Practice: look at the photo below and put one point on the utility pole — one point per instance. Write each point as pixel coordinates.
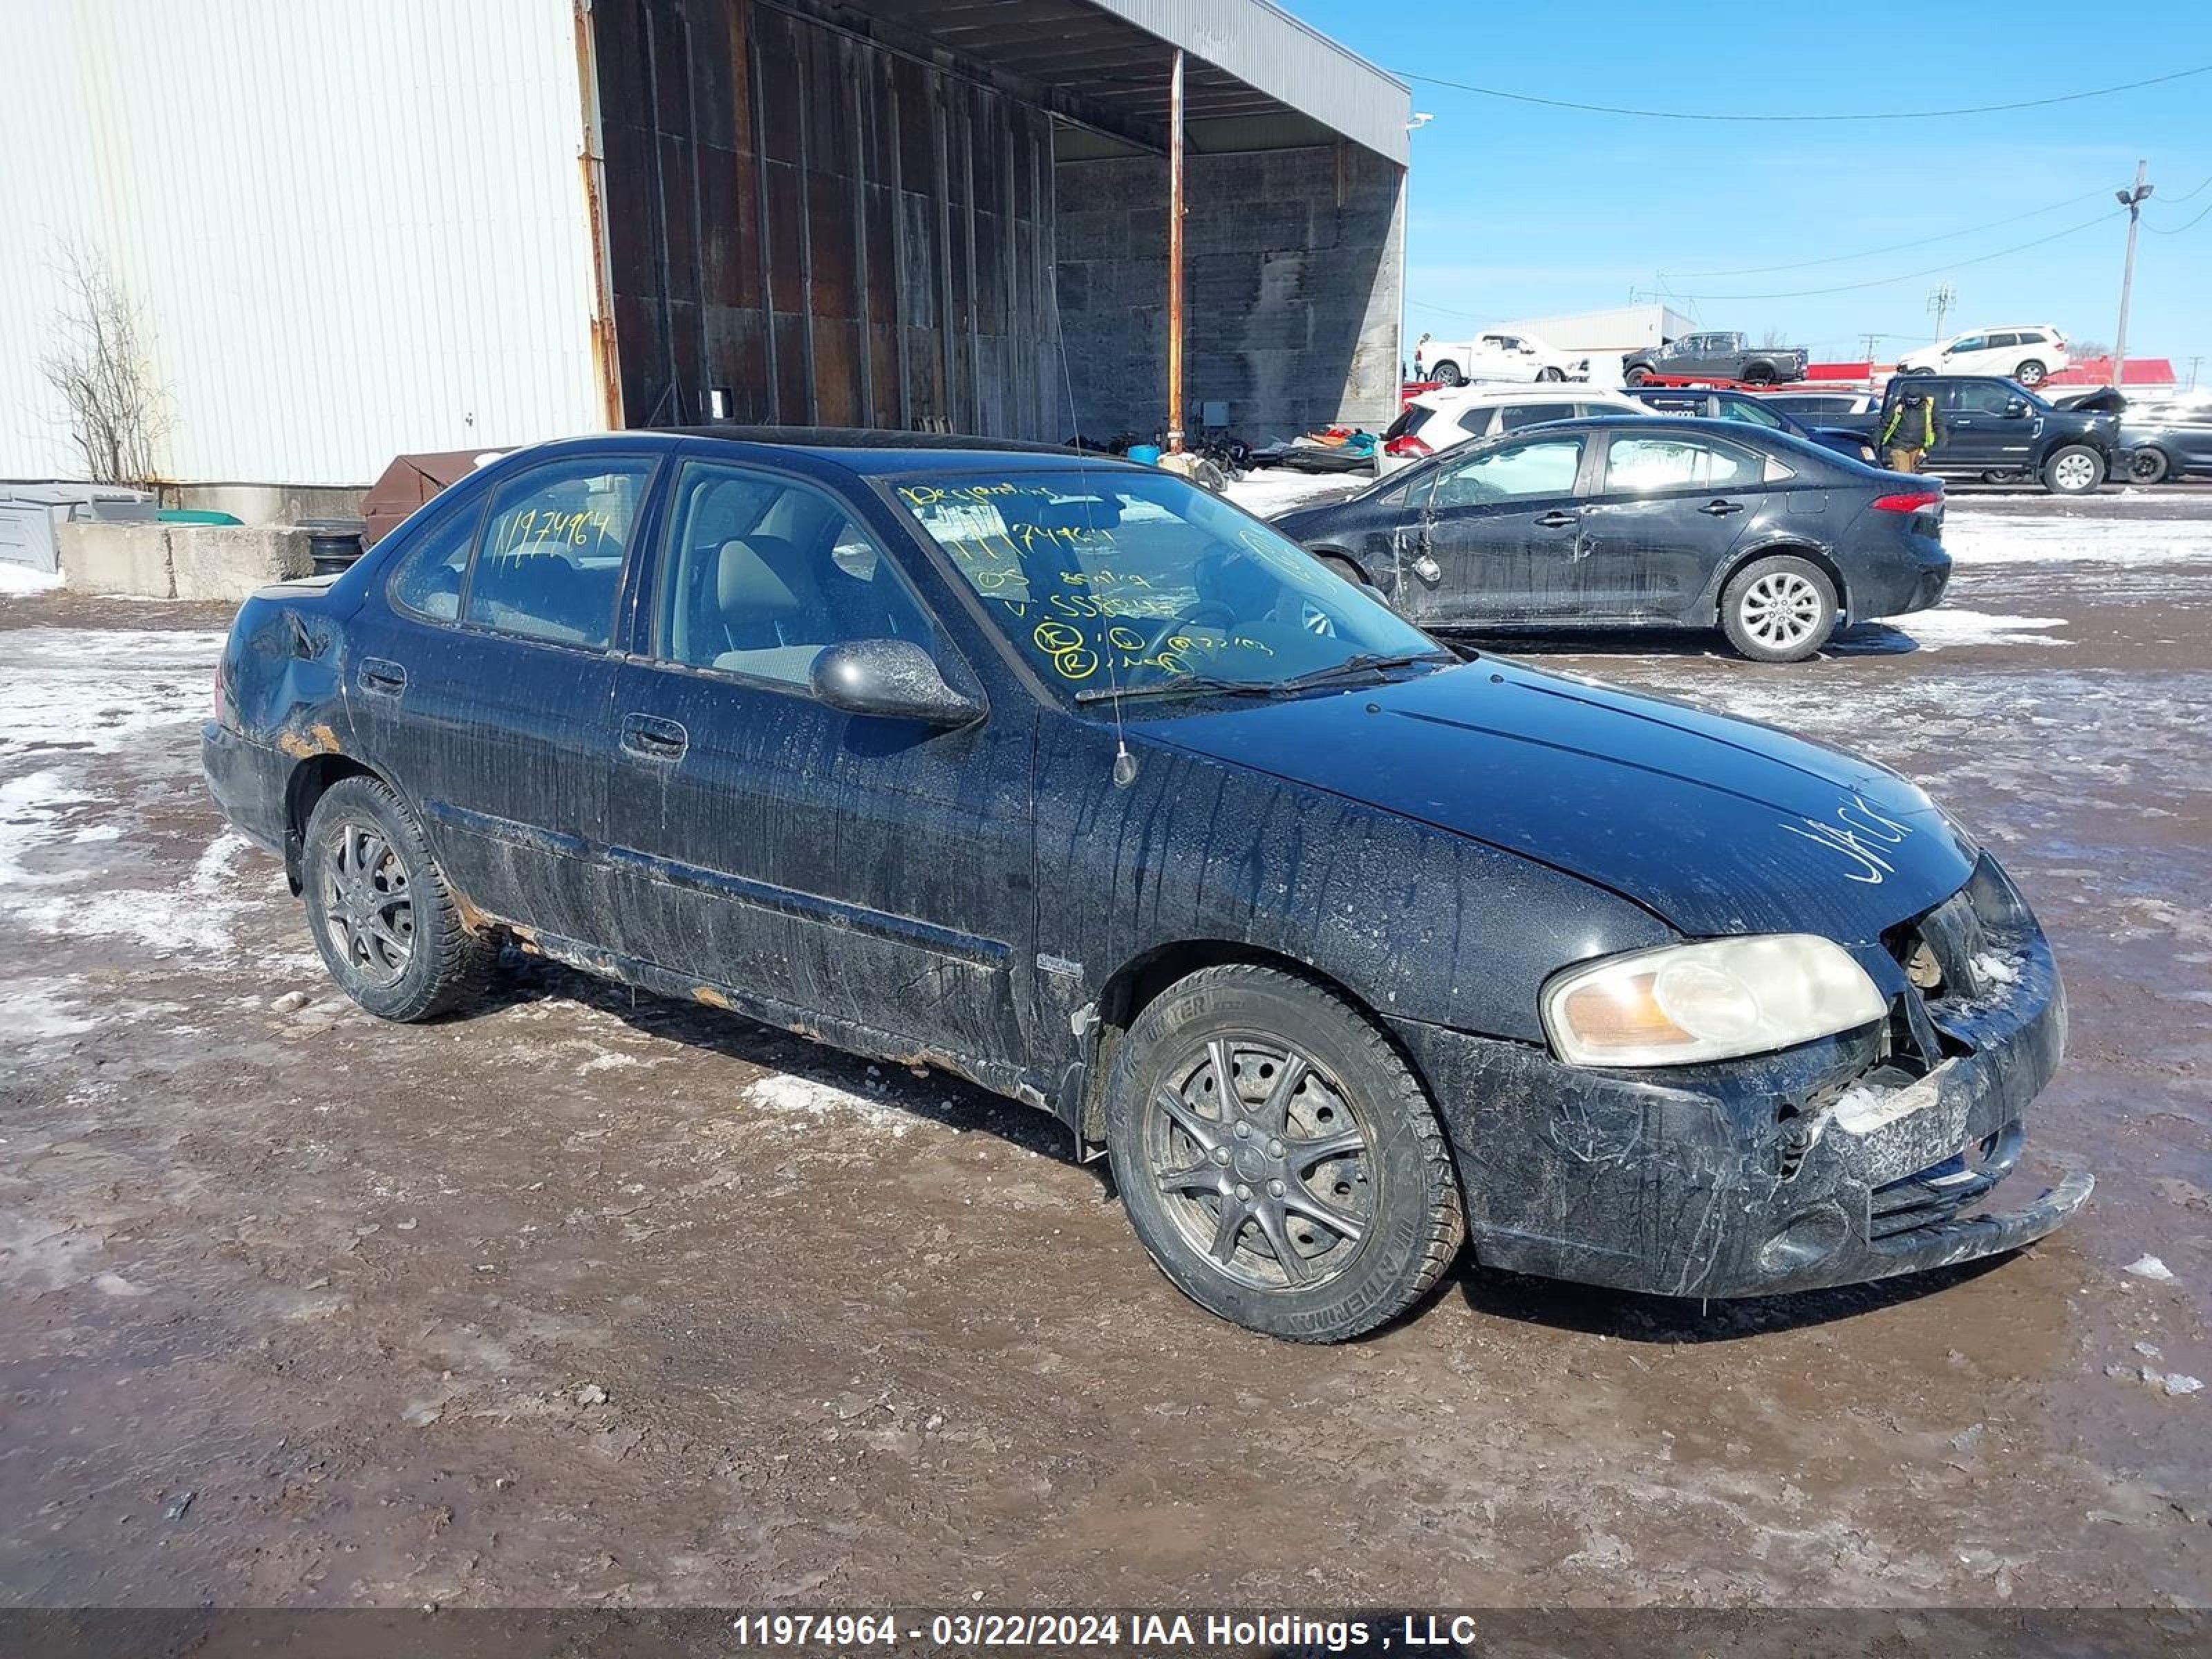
(1175, 256)
(2193, 362)
(1940, 303)
(1867, 341)
(2132, 200)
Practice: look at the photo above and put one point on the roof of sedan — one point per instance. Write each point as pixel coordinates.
(882, 449)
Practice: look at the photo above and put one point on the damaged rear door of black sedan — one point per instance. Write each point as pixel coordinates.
(1066, 777)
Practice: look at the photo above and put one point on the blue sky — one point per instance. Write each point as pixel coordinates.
(1517, 210)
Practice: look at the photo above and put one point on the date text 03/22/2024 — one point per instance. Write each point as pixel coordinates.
(1181, 1632)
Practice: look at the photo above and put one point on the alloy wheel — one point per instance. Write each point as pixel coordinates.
(1266, 1165)
(1781, 609)
(2074, 472)
(367, 902)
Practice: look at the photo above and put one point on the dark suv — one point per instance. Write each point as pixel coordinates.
(1062, 775)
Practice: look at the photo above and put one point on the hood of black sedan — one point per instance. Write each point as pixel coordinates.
(1717, 825)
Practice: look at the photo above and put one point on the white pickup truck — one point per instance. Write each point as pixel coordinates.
(1494, 356)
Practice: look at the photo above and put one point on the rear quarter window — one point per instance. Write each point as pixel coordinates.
(430, 577)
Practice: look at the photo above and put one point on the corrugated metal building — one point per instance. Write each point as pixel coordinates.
(359, 229)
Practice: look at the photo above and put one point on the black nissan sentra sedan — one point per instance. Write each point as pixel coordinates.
(1625, 522)
(1067, 777)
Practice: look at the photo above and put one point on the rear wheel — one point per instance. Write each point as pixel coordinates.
(1759, 374)
(2030, 373)
(379, 909)
(1339, 565)
(2073, 469)
(1780, 609)
(1277, 1158)
(2149, 466)
(1446, 374)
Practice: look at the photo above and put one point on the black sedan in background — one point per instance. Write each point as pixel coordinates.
(1632, 522)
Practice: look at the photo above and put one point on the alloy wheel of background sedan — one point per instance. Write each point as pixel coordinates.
(368, 902)
(1781, 609)
(1264, 1164)
(2149, 466)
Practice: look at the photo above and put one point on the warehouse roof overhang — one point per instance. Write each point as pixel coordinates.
(1253, 77)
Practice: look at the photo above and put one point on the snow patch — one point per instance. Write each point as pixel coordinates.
(1935, 630)
(22, 578)
(804, 1096)
(2028, 539)
(1272, 489)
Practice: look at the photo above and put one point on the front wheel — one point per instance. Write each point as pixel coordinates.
(1640, 375)
(1778, 610)
(1551, 373)
(1278, 1158)
(2073, 469)
(2030, 373)
(379, 909)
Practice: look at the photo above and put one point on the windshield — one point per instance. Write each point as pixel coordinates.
(1110, 578)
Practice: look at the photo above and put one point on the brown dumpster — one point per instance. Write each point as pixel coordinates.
(408, 482)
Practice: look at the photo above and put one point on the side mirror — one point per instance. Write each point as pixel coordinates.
(2014, 408)
(895, 678)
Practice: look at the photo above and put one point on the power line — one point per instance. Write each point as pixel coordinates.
(1894, 247)
(1853, 115)
(1908, 276)
(2169, 201)
(2177, 230)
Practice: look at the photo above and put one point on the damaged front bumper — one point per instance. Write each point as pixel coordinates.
(1849, 1159)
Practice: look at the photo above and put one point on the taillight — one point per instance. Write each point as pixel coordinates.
(1908, 500)
(1407, 445)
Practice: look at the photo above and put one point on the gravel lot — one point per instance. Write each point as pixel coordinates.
(589, 1298)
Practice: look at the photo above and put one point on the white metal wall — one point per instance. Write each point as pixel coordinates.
(357, 227)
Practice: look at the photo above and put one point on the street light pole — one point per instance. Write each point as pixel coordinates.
(1175, 256)
(2132, 200)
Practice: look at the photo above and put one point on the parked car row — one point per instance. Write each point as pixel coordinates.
(1057, 773)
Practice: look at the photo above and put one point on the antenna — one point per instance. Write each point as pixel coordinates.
(1125, 763)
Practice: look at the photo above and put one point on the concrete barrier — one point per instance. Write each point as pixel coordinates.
(180, 561)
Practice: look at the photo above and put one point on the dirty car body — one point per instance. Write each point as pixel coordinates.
(1092, 775)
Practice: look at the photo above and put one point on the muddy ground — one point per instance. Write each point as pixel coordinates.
(589, 1298)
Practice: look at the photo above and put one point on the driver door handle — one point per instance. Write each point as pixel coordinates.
(654, 738)
(1721, 509)
(1556, 520)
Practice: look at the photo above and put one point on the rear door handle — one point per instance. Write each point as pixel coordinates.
(385, 678)
(1721, 509)
(654, 738)
(1557, 520)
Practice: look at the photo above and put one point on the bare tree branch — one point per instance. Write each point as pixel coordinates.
(99, 364)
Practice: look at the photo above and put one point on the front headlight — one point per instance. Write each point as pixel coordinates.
(1710, 1001)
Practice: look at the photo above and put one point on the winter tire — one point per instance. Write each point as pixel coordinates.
(381, 911)
(1780, 609)
(2073, 469)
(1278, 1158)
(2149, 466)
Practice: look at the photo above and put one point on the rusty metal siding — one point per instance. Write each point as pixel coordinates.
(353, 230)
(859, 223)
